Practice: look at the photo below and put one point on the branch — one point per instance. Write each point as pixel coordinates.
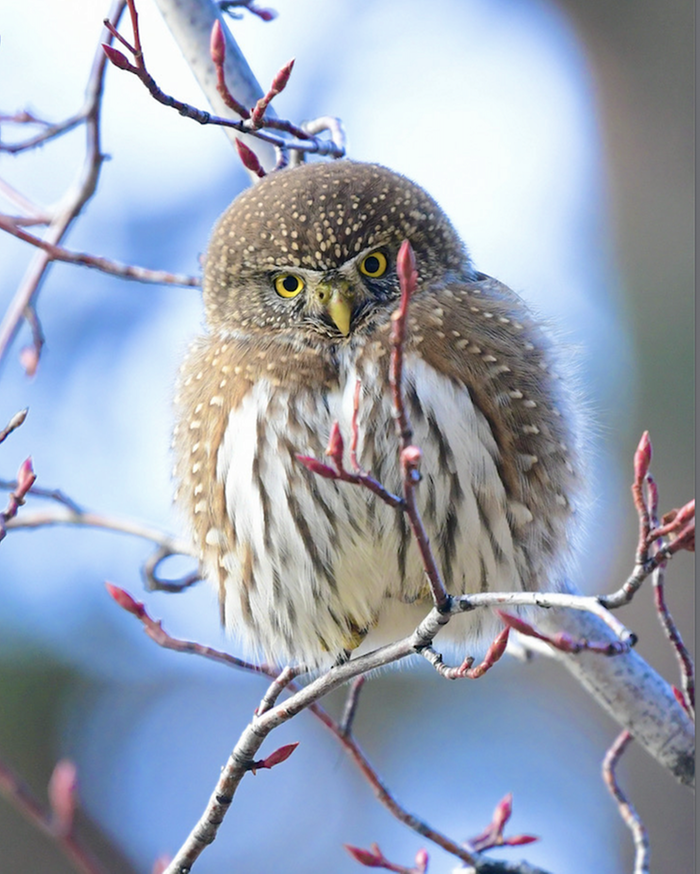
(192, 24)
(114, 268)
(24, 301)
(627, 811)
(12, 425)
(25, 480)
(57, 822)
(631, 692)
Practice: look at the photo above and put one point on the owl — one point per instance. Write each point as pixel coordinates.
(299, 286)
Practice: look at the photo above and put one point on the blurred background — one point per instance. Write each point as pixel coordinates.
(559, 138)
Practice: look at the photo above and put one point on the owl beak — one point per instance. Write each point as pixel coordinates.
(337, 297)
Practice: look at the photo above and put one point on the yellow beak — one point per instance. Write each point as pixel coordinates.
(337, 298)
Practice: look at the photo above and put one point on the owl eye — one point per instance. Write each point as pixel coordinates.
(373, 265)
(288, 284)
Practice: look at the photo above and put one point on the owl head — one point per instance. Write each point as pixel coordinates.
(313, 249)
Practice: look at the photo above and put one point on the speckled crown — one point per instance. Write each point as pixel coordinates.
(319, 215)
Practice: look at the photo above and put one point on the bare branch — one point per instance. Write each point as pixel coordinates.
(670, 628)
(155, 631)
(11, 426)
(350, 709)
(83, 518)
(25, 480)
(253, 123)
(493, 836)
(57, 828)
(73, 202)
(627, 811)
(115, 268)
(465, 671)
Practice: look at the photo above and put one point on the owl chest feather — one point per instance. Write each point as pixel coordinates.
(316, 566)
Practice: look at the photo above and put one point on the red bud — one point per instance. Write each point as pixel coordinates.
(317, 467)
(279, 83)
(265, 14)
(249, 159)
(406, 267)
(279, 756)
(686, 512)
(29, 359)
(498, 647)
(217, 44)
(25, 479)
(680, 698)
(117, 58)
(517, 623)
(642, 458)
(421, 862)
(335, 446)
(368, 858)
(519, 840)
(62, 796)
(411, 456)
(503, 812)
(124, 599)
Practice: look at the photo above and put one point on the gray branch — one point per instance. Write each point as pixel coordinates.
(630, 690)
(190, 22)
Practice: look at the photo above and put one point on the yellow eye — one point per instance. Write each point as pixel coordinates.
(373, 265)
(288, 284)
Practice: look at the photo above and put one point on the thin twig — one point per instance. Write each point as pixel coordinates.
(11, 426)
(67, 516)
(668, 624)
(16, 498)
(685, 662)
(20, 796)
(154, 629)
(350, 708)
(410, 456)
(156, 583)
(627, 812)
(73, 202)
(253, 125)
(50, 131)
(683, 527)
(465, 671)
(278, 685)
(268, 718)
(564, 642)
(106, 265)
(33, 213)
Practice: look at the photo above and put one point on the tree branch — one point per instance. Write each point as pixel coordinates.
(73, 202)
(114, 268)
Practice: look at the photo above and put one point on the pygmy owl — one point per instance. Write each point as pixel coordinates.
(299, 286)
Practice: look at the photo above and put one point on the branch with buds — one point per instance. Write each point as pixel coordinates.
(23, 306)
(56, 821)
(269, 715)
(254, 121)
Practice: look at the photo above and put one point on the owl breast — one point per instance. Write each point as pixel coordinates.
(309, 568)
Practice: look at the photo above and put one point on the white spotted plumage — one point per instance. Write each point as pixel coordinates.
(364, 541)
